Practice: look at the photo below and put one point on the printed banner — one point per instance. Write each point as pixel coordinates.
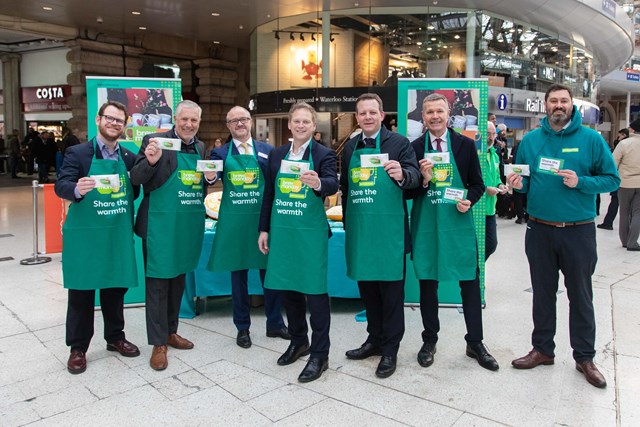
(468, 116)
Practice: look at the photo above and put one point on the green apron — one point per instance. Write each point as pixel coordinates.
(97, 236)
(235, 246)
(444, 240)
(176, 221)
(298, 240)
(374, 233)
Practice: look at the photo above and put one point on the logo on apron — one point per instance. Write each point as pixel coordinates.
(442, 175)
(248, 179)
(293, 187)
(191, 178)
(364, 177)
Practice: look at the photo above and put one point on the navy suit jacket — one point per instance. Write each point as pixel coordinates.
(259, 147)
(464, 153)
(76, 165)
(324, 163)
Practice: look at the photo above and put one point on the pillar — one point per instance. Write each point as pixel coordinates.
(11, 91)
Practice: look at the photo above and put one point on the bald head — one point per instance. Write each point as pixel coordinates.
(491, 134)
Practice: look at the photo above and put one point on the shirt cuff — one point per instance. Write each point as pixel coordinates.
(77, 193)
(319, 187)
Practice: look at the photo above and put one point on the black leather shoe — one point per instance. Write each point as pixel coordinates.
(314, 369)
(366, 350)
(279, 333)
(479, 352)
(243, 339)
(124, 347)
(605, 226)
(293, 353)
(386, 367)
(425, 355)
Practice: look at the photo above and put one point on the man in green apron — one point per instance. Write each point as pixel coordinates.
(442, 230)
(170, 222)
(294, 232)
(234, 246)
(376, 227)
(495, 187)
(98, 236)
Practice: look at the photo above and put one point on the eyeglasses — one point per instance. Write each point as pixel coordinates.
(243, 120)
(111, 120)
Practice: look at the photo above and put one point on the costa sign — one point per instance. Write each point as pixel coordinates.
(45, 98)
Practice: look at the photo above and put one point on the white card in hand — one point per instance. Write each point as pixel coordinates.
(210, 165)
(373, 160)
(517, 169)
(174, 144)
(292, 167)
(107, 182)
(437, 158)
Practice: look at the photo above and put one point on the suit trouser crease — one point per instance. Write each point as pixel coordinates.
(295, 305)
(241, 304)
(571, 250)
(81, 313)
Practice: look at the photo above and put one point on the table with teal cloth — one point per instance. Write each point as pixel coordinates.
(202, 282)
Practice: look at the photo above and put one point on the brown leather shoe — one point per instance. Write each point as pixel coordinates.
(124, 347)
(77, 362)
(591, 373)
(531, 360)
(159, 358)
(176, 341)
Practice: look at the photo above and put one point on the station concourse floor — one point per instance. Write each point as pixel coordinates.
(219, 383)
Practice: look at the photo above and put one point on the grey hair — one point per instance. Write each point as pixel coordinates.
(188, 104)
(435, 97)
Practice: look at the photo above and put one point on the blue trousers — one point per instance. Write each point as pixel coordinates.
(241, 307)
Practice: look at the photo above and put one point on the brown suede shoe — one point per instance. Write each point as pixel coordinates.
(77, 362)
(531, 360)
(176, 341)
(159, 358)
(591, 373)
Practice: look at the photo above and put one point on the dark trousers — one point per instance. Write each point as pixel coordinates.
(162, 305)
(471, 305)
(43, 172)
(519, 204)
(384, 302)
(571, 250)
(242, 308)
(15, 162)
(612, 210)
(80, 316)
(491, 236)
(295, 305)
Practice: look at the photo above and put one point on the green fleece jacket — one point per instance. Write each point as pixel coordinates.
(583, 151)
(491, 178)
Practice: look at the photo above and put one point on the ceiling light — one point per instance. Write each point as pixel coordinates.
(268, 15)
(431, 27)
(445, 46)
(457, 36)
(135, 12)
(241, 27)
(142, 28)
(433, 39)
(216, 42)
(419, 43)
(215, 13)
(47, 8)
(429, 48)
(512, 30)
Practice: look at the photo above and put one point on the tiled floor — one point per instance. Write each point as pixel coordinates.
(218, 383)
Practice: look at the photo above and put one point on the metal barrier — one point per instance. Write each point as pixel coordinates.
(36, 258)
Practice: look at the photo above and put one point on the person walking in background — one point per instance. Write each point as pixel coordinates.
(627, 158)
(612, 210)
(13, 141)
(494, 188)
